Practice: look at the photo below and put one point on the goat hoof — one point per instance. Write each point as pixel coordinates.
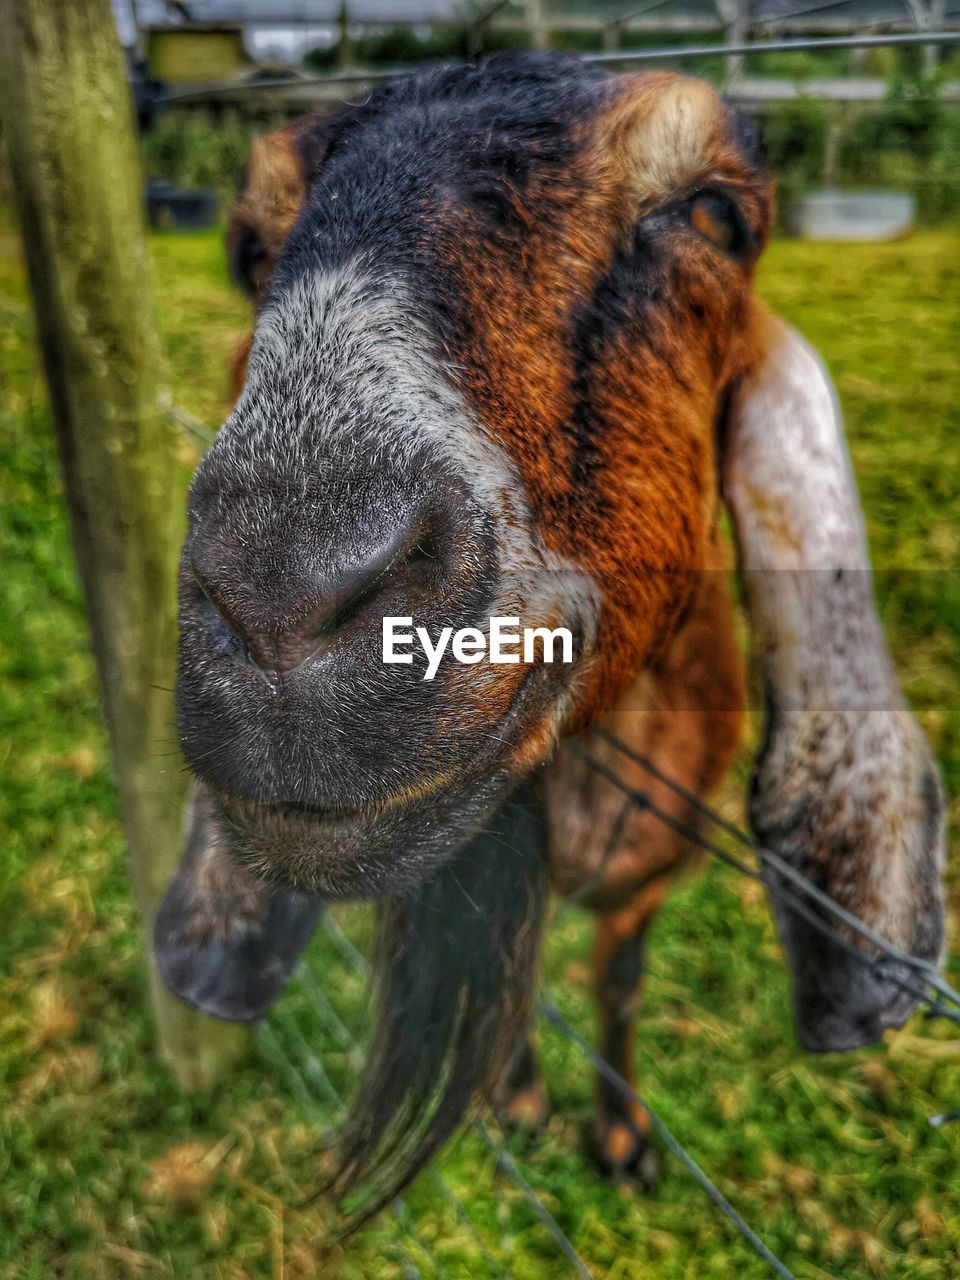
(627, 1156)
(526, 1111)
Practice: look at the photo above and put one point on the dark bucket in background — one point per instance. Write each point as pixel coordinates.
(180, 208)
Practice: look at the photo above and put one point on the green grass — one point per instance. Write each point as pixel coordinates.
(106, 1170)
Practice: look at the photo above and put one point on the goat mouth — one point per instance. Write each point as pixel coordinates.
(383, 841)
(326, 815)
(299, 819)
(496, 743)
(279, 814)
(313, 812)
(357, 852)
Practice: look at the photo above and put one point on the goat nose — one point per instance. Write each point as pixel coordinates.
(283, 615)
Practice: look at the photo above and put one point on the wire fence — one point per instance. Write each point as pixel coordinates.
(799, 892)
(795, 44)
(926, 985)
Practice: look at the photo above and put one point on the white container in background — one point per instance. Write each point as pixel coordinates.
(852, 215)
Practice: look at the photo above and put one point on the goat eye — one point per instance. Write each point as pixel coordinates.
(714, 216)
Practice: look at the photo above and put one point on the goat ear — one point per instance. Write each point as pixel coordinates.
(844, 787)
(789, 485)
(224, 941)
(279, 169)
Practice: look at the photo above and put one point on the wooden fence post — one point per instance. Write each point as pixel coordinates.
(345, 49)
(734, 16)
(538, 28)
(68, 121)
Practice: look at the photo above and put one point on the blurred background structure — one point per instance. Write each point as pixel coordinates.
(209, 73)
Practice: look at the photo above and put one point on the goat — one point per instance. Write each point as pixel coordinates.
(507, 361)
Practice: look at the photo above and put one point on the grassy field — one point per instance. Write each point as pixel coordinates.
(107, 1171)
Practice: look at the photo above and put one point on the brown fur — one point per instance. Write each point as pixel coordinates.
(653, 500)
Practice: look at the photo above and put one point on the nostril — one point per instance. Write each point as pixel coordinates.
(283, 652)
(425, 552)
(257, 637)
(208, 604)
(286, 606)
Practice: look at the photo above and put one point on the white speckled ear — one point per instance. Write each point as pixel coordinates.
(803, 554)
(845, 787)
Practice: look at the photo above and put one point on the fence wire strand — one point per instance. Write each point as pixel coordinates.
(675, 53)
(799, 896)
(798, 889)
(626, 1090)
(505, 1163)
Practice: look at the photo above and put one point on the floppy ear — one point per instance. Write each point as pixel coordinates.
(844, 787)
(279, 168)
(225, 941)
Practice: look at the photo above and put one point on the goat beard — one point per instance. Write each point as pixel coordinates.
(455, 964)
